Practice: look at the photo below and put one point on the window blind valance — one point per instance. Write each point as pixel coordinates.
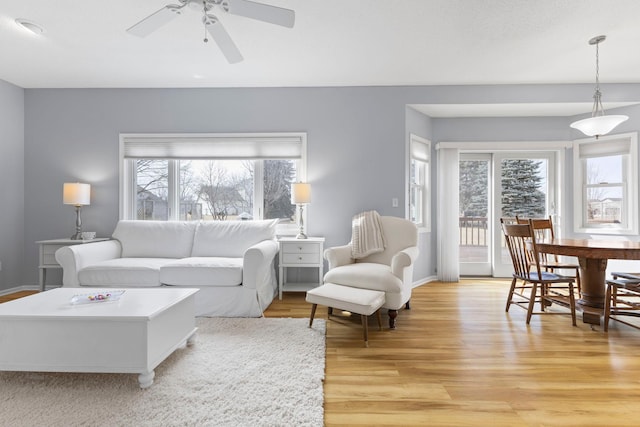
(419, 150)
(213, 146)
(604, 148)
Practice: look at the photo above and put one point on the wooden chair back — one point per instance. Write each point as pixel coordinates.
(543, 229)
(521, 241)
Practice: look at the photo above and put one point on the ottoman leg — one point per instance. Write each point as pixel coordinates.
(313, 313)
(365, 328)
(379, 320)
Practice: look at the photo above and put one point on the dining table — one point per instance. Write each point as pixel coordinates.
(593, 255)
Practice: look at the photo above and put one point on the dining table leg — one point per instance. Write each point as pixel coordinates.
(592, 279)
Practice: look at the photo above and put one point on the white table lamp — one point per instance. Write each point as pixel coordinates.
(78, 195)
(300, 196)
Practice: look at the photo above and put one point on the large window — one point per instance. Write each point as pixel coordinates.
(419, 150)
(605, 183)
(211, 176)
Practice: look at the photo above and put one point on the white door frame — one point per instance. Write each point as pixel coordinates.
(558, 147)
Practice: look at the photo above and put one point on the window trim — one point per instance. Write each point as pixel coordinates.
(418, 148)
(278, 142)
(599, 148)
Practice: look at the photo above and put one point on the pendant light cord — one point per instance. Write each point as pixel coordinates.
(598, 109)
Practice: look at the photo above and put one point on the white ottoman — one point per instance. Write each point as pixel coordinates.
(364, 302)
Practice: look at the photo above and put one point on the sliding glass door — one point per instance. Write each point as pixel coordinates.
(495, 185)
(475, 208)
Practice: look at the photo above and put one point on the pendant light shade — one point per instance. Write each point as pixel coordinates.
(599, 123)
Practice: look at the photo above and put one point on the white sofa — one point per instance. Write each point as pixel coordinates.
(231, 262)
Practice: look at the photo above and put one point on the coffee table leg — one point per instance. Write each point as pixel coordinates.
(192, 339)
(146, 379)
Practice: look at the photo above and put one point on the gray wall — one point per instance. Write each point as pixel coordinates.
(421, 125)
(12, 185)
(356, 143)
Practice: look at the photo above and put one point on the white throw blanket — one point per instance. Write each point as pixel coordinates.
(366, 234)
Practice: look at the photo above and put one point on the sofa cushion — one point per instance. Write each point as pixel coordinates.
(202, 272)
(136, 272)
(155, 239)
(230, 238)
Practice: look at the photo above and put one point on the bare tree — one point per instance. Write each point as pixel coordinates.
(152, 176)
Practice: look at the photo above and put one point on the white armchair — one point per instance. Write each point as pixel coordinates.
(390, 271)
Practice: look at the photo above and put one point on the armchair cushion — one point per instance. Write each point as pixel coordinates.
(365, 275)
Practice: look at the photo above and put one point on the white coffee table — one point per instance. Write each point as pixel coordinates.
(44, 332)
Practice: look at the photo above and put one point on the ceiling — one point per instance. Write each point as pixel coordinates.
(333, 43)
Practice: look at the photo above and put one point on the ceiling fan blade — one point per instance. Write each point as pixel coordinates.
(223, 40)
(155, 20)
(263, 12)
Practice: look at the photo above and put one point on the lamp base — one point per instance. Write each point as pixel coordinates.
(301, 234)
(78, 235)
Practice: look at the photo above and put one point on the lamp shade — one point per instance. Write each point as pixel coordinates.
(300, 193)
(598, 125)
(75, 193)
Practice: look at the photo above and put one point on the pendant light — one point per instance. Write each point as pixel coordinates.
(598, 124)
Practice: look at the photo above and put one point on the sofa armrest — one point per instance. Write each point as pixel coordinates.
(258, 263)
(76, 257)
(402, 260)
(338, 255)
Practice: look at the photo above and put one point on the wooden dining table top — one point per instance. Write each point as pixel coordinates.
(591, 248)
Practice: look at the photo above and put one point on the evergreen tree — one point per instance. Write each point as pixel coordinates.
(473, 188)
(278, 175)
(521, 194)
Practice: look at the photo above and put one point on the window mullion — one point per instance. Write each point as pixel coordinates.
(174, 189)
(258, 189)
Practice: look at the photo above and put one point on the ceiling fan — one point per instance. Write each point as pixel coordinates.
(213, 26)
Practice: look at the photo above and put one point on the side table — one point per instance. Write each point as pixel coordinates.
(47, 250)
(299, 253)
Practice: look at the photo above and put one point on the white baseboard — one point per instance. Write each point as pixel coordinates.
(424, 281)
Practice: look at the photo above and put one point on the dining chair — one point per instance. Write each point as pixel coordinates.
(622, 298)
(543, 227)
(530, 282)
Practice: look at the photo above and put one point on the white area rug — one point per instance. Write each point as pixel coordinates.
(239, 372)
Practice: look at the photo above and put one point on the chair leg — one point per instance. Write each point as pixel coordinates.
(313, 313)
(578, 283)
(407, 306)
(379, 317)
(510, 297)
(330, 310)
(607, 308)
(543, 301)
(532, 301)
(365, 329)
(572, 304)
(392, 318)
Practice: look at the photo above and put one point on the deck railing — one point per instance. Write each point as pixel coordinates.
(473, 231)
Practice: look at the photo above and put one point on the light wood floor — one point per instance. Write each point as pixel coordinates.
(457, 359)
